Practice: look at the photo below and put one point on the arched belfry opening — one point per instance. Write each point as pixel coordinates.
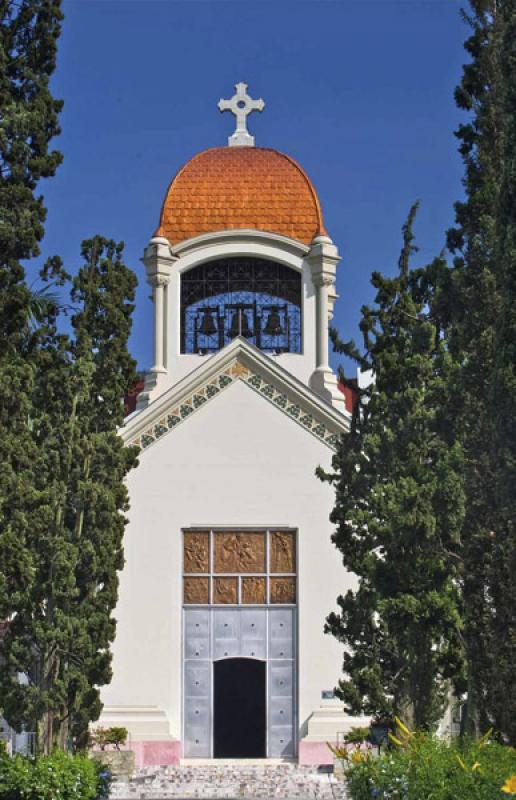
(256, 298)
(239, 708)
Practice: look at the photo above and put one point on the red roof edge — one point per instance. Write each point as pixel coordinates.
(350, 394)
(131, 398)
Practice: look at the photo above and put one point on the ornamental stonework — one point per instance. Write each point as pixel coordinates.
(283, 590)
(227, 377)
(196, 591)
(197, 552)
(225, 590)
(283, 552)
(239, 552)
(254, 591)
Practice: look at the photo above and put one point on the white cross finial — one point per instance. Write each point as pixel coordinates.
(241, 105)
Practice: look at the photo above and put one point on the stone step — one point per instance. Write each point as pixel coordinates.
(245, 782)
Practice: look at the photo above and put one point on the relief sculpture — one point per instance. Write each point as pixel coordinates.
(196, 552)
(225, 590)
(283, 590)
(196, 590)
(283, 552)
(239, 552)
(253, 590)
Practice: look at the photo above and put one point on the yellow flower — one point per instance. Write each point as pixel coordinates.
(402, 727)
(357, 757)
(509, 786)
(461, 762)
(338, 752)
(485, 738)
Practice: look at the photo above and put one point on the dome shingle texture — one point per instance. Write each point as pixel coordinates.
(228, 188)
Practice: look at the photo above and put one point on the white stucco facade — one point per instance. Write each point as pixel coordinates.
(230, 441)
(238, 462)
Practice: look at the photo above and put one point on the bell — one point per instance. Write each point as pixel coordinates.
(273, 326)
(208, 327)
(240, 325)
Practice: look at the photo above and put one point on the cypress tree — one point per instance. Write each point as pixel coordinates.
(105, 291)
(398, 512)
(471, 302)
(500, 689)
(60, 634)
(29, 32)
(28, 37)
(62, 464)
(29, 120)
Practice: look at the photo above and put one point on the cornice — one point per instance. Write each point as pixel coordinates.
(239, 361)
(246, 236)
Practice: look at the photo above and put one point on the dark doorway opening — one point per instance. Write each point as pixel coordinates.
(239, 708)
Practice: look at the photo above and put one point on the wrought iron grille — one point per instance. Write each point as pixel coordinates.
(251, 297)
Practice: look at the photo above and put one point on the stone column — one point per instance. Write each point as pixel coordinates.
(158, 283)
(323, 258)
(159, 263)
(322, 283)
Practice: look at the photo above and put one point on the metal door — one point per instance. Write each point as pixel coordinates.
(253, 633)
(197, 683)
(266, 634)
(281, 683)
(226, 632)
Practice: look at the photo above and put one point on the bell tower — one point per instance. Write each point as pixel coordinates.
(230, 568)
(241, 251)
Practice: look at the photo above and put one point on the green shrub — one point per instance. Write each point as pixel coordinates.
(57, 777)
(423, 767)
(117, 736)
(356, 735)
(102, 737)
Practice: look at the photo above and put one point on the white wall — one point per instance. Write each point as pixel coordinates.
(237, 461)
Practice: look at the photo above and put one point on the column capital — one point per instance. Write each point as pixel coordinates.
(323, 249)
(323, 257)
(324, 278)
(159, 261)
(156, 279)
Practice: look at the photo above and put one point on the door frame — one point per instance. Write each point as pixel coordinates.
(263, 661)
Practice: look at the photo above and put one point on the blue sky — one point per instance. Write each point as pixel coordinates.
(360, 93)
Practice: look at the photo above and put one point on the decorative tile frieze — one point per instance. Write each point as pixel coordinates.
(234, 372)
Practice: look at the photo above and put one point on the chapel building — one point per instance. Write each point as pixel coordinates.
(230, 571)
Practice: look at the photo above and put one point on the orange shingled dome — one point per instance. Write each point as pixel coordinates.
(227, 188)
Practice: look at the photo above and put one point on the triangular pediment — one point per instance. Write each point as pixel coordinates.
(239, 361)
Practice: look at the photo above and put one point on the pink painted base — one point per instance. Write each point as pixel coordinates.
(156, 754)
(312, 753)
